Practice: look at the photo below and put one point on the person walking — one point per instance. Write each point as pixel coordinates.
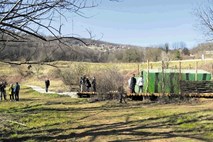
(132, 84)
(47, 84)
(140, 84)
(94, 84)
(16, 91)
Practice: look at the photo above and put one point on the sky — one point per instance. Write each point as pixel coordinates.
(139, 22)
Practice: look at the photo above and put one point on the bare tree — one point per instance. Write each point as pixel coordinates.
(20, 18)
(26, 20)
(205, 16)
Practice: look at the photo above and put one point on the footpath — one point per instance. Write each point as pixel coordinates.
(42, 90)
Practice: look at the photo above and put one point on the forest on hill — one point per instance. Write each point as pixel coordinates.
(88, 50)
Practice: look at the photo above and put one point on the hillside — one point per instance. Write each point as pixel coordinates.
(89, 50)
(204, 48)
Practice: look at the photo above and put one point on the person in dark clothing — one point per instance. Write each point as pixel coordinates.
(121, 92)
(16, 91)
(94, 84)
(88, 84)
(3, 91)
(132, 84)
(84, 83)
(47, 84)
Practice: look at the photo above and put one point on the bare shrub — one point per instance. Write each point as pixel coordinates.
(55, 73)
(13, 79)
(37, 69)
(23, 72)
(3, 78)
(207, 67)
(71, 76)
(108, 81)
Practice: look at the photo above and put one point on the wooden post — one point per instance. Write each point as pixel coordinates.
(147, 79)
(196, 66)
(180, 77)
(163, 83)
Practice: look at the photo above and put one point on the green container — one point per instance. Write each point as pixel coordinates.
(155, 80)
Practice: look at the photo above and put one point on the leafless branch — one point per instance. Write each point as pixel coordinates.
(28, 15)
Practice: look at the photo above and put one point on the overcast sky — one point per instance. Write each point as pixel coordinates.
(140, 22)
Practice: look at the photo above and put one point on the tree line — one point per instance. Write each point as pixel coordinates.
(75, 50)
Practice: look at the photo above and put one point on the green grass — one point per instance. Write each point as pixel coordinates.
(42, 117)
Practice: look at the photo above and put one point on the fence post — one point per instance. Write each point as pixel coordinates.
(196, 66)
(180, 77)
(163, 83)
(147, 77)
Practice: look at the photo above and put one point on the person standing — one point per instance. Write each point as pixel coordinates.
(132, 84)
(88, 84)
(81, 84)
(47, 84)
(3, 91)
(16, 91)
(94, 84)
(140, 84)
(121, 93)
(11, 92)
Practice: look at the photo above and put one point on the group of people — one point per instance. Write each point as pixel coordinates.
(85, 84)
(132, 82)
(13, 91)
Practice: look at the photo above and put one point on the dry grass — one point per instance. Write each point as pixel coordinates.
(40, 72)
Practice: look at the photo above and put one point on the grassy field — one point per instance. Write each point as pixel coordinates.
(40, 72)
(42, 117)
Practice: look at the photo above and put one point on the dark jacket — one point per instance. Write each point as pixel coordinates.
(47, 83)
(17, 88)
(132, 83)
(88, 84)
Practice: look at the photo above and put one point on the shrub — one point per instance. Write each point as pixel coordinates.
(71, 76)
(108, 81)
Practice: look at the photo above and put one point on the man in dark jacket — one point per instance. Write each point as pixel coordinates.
(47, 84)
(88, 84)
(3, 91)
(16, 91)
(94, 84)
(132, 84)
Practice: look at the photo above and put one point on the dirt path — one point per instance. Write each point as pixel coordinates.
(42, 90)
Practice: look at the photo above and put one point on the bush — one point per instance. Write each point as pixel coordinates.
(108, 81)
(23, 71)
(71, 76)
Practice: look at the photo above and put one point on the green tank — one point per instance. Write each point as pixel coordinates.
(155, 81)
